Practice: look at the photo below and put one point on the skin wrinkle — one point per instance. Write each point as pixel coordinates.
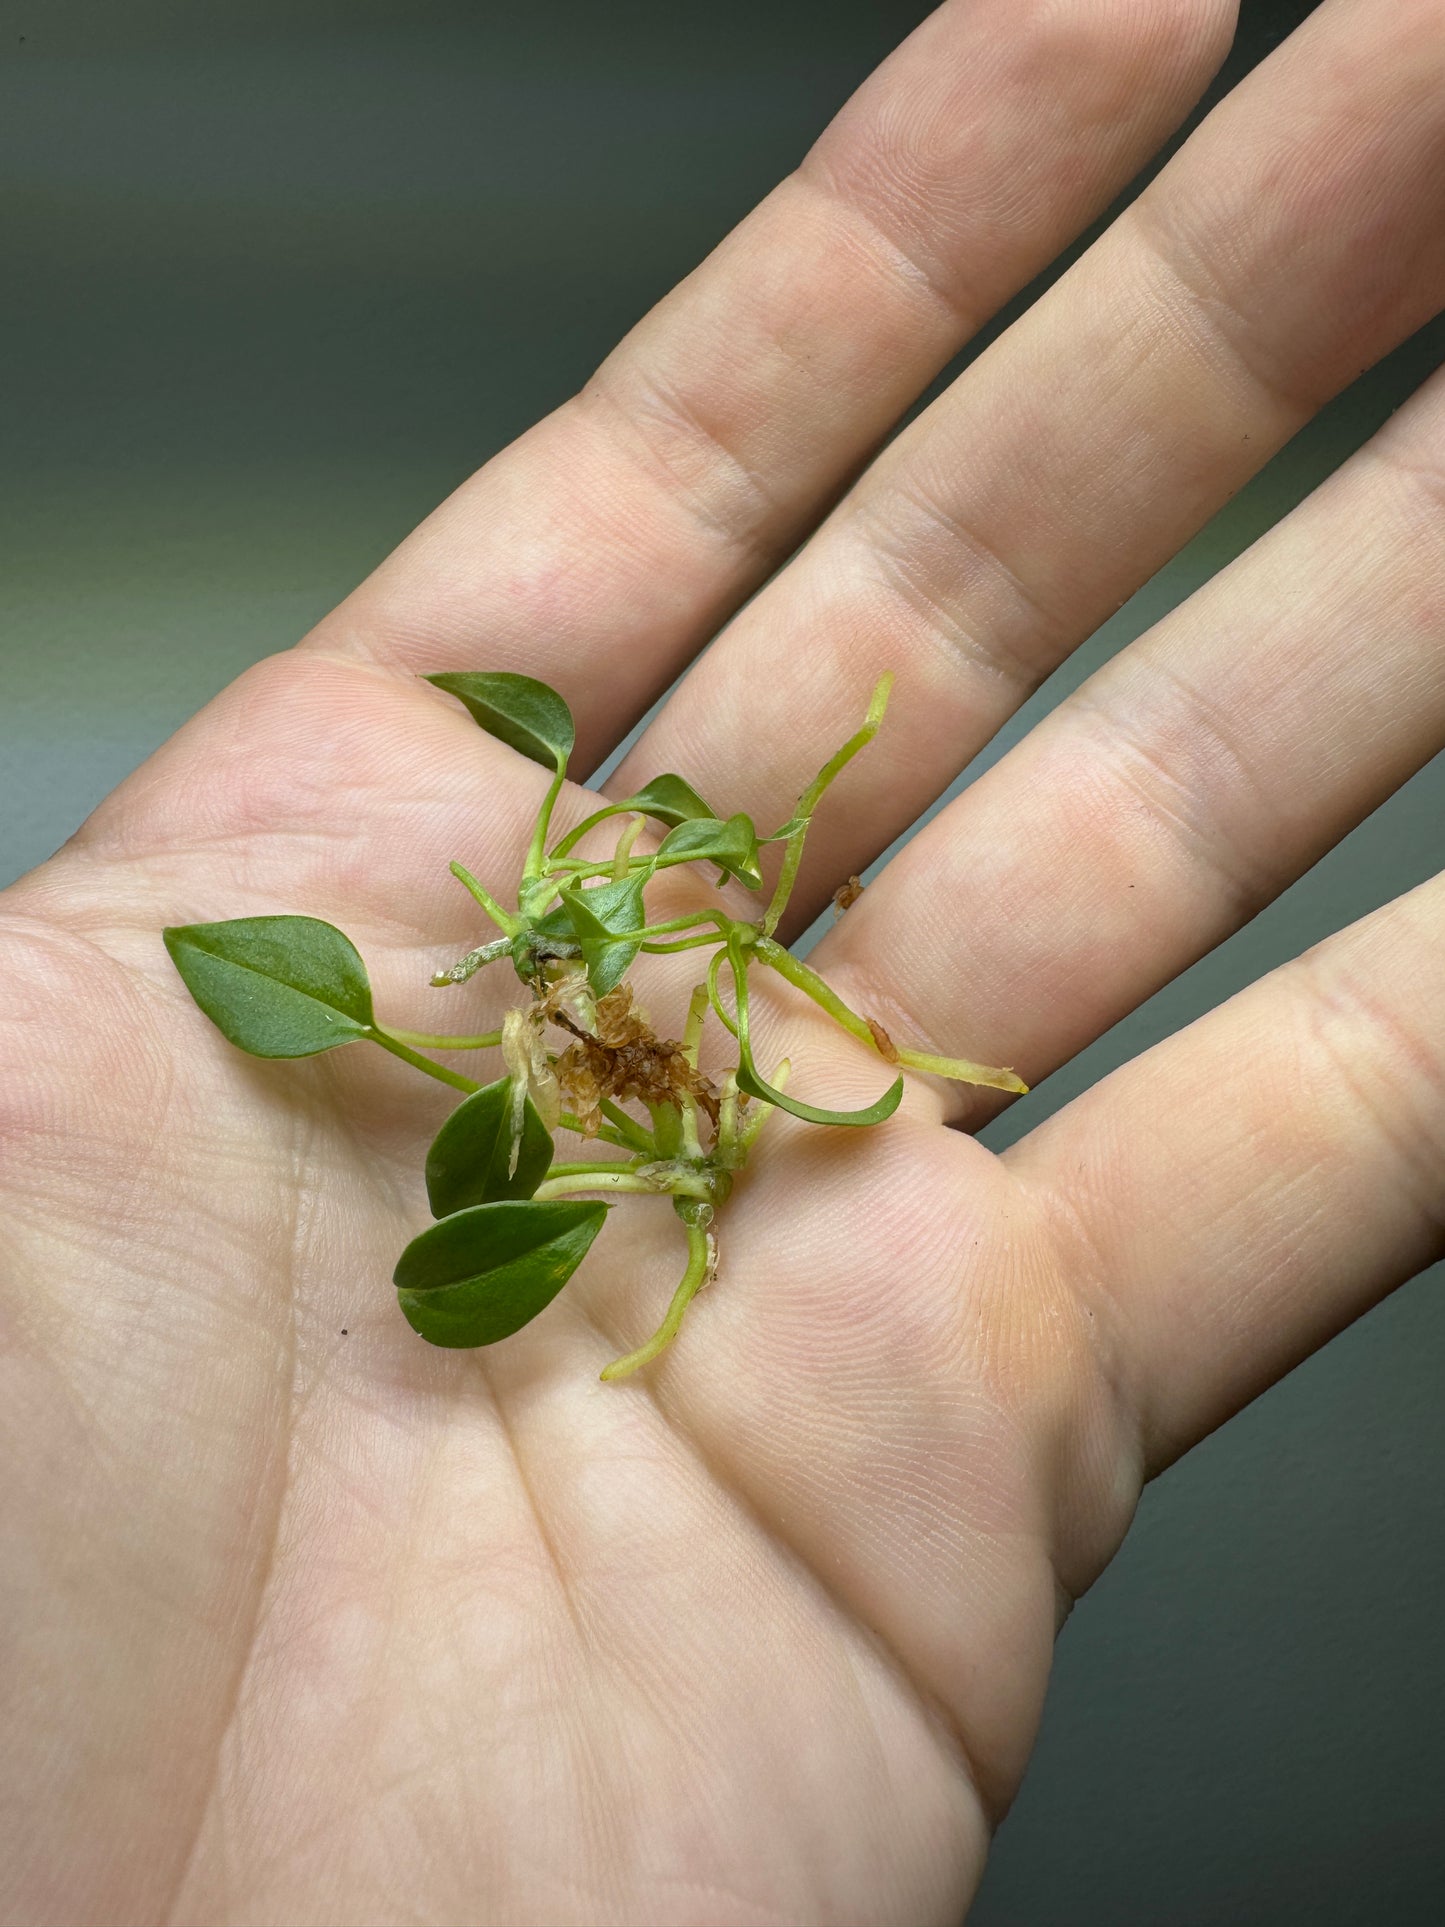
(1192, 818)
(907, 264)
(1338, 994)
(1416, 466)
(1208, 335)
(1219, 329)
(302, 1132)
(891, 548)
(711, 501)
(1102, 1322)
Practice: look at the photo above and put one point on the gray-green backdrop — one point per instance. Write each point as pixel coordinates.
(279, 273)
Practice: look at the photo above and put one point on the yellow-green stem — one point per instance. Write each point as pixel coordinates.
(699, 1254)
(421, 1040)
(409, 1056)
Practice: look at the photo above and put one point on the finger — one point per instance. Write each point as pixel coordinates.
(1182, 787)
(1296, 237)
(1243, 1191)
(603, 549)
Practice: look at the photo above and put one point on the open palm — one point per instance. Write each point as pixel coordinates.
(312, 1622)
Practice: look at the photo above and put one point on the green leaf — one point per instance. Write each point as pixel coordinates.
(751, 1080)
(517, 710)
(733, 845)
(596, 915)
(756, 1086)
(467, 1163)
(670, 800)
(482, 1274)
(275, 986)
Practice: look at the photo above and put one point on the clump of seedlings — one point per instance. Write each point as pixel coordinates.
(513, 1223)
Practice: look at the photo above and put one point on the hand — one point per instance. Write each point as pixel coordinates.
(312, 1622)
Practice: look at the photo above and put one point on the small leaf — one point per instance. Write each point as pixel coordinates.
(785, 830)
(275, 986)
(467, 1163)
(756, 1086)
(518, 710)
(596, 916)
(482, 1274)
(733, 845)
(670, 800)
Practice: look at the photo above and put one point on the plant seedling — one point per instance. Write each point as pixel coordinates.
(512, 1222)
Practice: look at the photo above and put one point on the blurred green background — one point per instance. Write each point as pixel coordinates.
(279, 275)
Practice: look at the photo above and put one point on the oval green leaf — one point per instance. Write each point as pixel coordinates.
(517, 710)
(482, 1274)
(732, 844)
(467, 1163)
(596, 916)
(275, 986)
(670, 800)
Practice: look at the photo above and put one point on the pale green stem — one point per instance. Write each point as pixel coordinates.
(692, 1029)
(503, 919)
(713, 996)
(683, 943)
(959, 1069)
(624, 847)
(608, 1168)
(409, 1056)
(698, 1258)
(629, 1127)
(537, 852)
(997, 1077)
(808, 801)
(767, 951)
(605, 1179)
(607, 1135)
(691, 1044)
(421, 1040)
(575, 836)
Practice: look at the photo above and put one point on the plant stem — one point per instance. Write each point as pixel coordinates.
(468, 966)
(537, 852)
(503, 919)
(610, 1178)
(960, 1069)
(699, 1261)
(607, 1135)
(423, 1041)
(754, 1120)
(629, 1127)
(772, 953)
(692, 1029)
(409, 1056)
(575, 836)
(623, 852)
(609, 1168)
(683, 943)
(808, 801)
(997, 1077)
(713, 996)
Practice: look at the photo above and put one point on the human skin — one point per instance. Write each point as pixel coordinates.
(313, 1627)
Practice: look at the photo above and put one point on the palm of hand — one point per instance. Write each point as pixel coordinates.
(315, 1622)
(788, 1609)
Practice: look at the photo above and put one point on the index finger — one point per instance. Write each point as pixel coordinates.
(602, 550)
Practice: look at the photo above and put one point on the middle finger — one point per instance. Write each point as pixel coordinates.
(1295, 239)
